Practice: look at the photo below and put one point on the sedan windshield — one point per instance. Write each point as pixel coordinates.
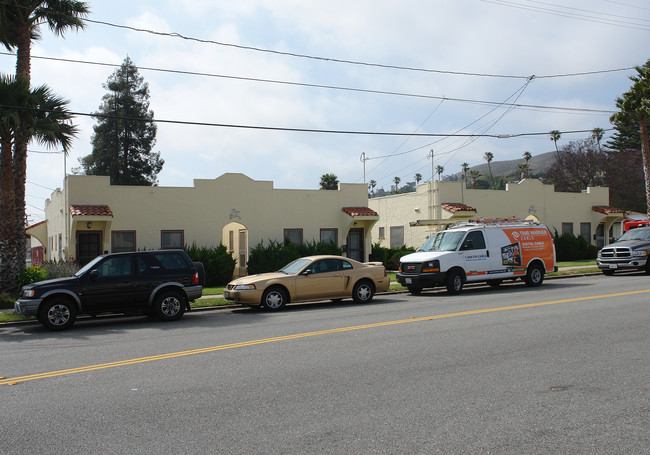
(636, 234)
(443, 241)
(294, 267)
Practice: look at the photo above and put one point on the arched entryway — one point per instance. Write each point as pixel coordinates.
(235, 238)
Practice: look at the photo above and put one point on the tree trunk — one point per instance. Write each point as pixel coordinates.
(645, 152)
(23, 53)
(8, 264)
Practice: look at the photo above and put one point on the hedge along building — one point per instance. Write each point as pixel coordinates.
(409, 218)
(90, 216)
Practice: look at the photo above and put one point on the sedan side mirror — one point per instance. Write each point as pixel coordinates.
(93, 275)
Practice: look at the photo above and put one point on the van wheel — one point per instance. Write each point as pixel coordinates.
(454, 282)
(415, 290)
(494, 283)
(534, 275)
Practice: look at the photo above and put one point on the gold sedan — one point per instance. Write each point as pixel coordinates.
(310, 278)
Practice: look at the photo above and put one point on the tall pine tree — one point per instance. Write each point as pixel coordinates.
(125, 133)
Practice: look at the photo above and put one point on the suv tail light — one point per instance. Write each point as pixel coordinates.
(195, 278)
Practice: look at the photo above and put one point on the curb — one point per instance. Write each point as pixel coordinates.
(238, 306)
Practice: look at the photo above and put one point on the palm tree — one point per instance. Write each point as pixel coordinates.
(25, 114)
(474, 176)
(418, 177)
(465, 168)
(555, 136)
(527, 157)
(525, 169)
(371, 186)
(439, 171)
(396, 180)
(489, 156)
(597, 135)
(634, 108)
(19, 25)
(329, 182)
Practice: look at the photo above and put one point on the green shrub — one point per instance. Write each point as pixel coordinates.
(31, 274)
(276, 255)
(59, 269)
(390, 257)
(568, 247)
(218, 263)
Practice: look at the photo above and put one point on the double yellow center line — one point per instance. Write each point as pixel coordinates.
(51, 374)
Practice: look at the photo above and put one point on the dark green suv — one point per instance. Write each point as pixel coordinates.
(157, 283)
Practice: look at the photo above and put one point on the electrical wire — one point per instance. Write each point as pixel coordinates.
(349, 89)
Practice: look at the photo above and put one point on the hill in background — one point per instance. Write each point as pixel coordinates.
(539, 164)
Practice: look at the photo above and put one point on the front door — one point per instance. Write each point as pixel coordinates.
(89, 246)
(243, 249)
(355, 245)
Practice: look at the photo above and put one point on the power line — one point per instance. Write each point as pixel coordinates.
(349, 89)
(293, 130)
(573, 15)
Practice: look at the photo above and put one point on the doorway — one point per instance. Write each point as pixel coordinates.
(89, 246)
(355, 242)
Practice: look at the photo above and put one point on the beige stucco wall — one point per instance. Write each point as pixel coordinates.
(528, 197)
(203, 210)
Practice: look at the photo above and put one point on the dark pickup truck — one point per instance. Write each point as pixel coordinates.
(630, 252)
(157, 283)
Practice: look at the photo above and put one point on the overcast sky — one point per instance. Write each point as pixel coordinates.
(415, 67)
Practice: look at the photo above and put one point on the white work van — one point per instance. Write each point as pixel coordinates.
(480, 251)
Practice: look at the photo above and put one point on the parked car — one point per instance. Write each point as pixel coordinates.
(308, 279)
(157, 283)
(480, 251)
(630, 252)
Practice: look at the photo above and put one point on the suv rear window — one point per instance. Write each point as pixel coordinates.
(171, 261)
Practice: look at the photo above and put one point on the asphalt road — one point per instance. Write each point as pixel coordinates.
(561, 369)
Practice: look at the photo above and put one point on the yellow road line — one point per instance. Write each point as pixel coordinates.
(172, 355)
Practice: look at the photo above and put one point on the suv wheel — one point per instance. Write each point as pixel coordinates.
(169, 306)
(58, 314)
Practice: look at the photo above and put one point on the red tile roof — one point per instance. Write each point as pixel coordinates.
(359, 211)
(90, 210)
(457, 207)
(606, 210)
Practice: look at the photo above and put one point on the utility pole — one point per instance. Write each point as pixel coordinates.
(363, 160)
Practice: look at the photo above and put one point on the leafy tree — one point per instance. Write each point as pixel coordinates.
(634, 108)
(625, 179)
(329, 182)
(24, 114)
(580, 164)
(20, 22)
(125, 132)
